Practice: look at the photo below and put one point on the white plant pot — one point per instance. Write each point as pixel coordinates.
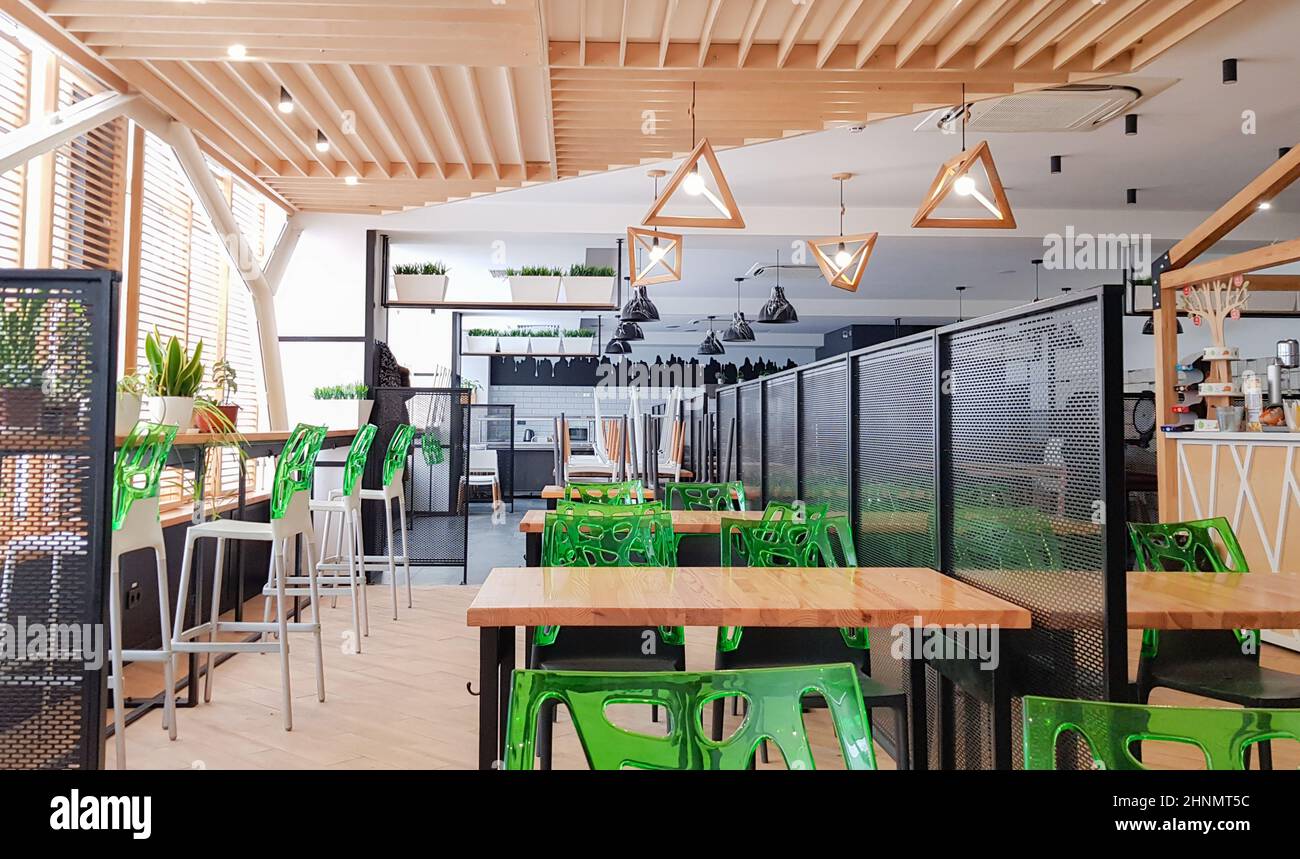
(589, 290)
(579, 345)
(513, 345)
(480, 345)
(544, 345)
(534, 290)
(128, 412)
(419, 287)
(172, 410)
(341, 414)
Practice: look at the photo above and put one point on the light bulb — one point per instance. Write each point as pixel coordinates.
(322, 143)
(964, 186)
(657, 251)
(236, 52)
(694, 184)
(842, 256)
(286, 101)
(349, 180)
(1265, 206)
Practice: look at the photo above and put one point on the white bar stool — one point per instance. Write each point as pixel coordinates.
(290, 518)
(393, 489)
(335, 571)
(136, 473)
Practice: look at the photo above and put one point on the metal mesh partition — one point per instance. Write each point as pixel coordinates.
(728, 431)
(56, 448)
(824, 436)
(436, 475)
(750, 436)
(780, 438)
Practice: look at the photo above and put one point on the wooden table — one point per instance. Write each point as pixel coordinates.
(554, 492)
(1213, 601)
(694, 522)
(714, 596)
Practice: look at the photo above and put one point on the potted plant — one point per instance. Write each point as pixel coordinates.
(472, 386)
(226, 381)
(21, 372)
(342, 406)
(481, 341)
(130, 396)
(589, 284)
(514, 342)
(579, 341)
(173, 380)
(223, 436)
(417, 282)
(65, 381)
(534, 284)
(545, 340)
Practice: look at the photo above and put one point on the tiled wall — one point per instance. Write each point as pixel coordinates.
(545, 400)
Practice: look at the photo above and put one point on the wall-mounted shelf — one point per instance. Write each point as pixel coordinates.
(496, 305)
(529, 355)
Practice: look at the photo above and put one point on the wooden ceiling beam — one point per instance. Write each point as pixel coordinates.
(335, 98)
(433, 78)
(582, 33)
(481, 120)
(1134, 27)
(29, 14)
(875, 35)
(923, 29)
(448, 13)
(747, 33)
(706, 29)
(401, 78)
(830, 39)
(1005, 30)
(665, 30)
(793, 30)
(385, 117)
(1196, 17)
(1051, 29)
(512, 94)
(327, 118)
(250, 112)
(263, 89)
(1088, 32)
(622, 34)
(971, 23)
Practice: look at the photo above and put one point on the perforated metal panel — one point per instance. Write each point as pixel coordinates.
(1025, 482)
(56, 418)
(751, 443)
(728, 432)
(780, 442)
(824, 436)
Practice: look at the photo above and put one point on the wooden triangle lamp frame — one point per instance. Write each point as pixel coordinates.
(849, 275)
(952, 170)
(733, 219)
(636, 236)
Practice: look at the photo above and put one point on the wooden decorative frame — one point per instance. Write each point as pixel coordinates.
(636, 236)
(850, 275)
(952, 170)
(656, 218)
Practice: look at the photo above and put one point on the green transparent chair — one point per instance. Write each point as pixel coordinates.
(342, 572)
(137, 470)
(1219, 664)
(640, 540)
(290, 519)
(826, 541)
(578, 508)
(705, 496)
(627, 492)
(394, 489)
(775, 698)
(1224, 735)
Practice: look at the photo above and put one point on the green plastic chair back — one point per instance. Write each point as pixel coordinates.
(139, 465)
(578, 508)
(825, 542)
(431, 447)
(797, 512)
(295, 466)
(637, 539)
(627, 492)
(398, 447)
(1196, 546)
(705, 496)
(774, 697)
(1221, 733)
(355, 465)
(1004, 538)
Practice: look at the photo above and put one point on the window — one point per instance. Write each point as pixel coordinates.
(15, 89)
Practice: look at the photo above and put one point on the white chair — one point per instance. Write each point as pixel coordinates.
(483, 471)
(393, 490)
(136, 525)
(335, 571)
(290, 518)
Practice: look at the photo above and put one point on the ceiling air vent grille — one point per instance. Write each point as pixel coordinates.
(1078, 107)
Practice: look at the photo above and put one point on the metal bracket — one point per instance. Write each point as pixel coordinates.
(1159, 267)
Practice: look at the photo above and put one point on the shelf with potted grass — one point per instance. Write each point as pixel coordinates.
(537, 287)
(420, 282)
(341, 406)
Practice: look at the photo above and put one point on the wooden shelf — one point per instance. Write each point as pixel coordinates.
(496, 305)
(528, 355)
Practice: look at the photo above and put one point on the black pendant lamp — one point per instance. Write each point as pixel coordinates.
(618, 345)
(778, 310)
(739, 330)
(639, 307)
(711, 344)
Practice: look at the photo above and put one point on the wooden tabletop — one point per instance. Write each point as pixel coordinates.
(734, 596)
(556, 492)
(1207, 601)
(684, 521)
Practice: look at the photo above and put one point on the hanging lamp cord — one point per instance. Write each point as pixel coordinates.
(841, 208)
(963, 116)
(692, 114)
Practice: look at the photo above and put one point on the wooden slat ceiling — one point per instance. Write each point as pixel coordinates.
(433, 100)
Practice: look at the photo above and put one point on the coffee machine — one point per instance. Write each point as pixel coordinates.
(1288, 358)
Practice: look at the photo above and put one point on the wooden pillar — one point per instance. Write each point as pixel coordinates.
(1165, 320)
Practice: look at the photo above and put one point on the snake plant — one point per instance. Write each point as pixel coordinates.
(172, 372)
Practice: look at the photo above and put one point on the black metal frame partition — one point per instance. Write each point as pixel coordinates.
(991, 450)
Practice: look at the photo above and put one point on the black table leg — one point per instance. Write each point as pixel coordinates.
(550, 503)
(920, 748)
(506, 658)
(945, 724)
(533, 549)
(1001, 704)
(489, 688)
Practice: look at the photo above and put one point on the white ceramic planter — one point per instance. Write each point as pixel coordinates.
(589, 290)
(419, 287)
(544, 345)
(340, 414)
(513, 345)
(579, 345)
(128, 412)
(480, 345)
(534, 290)
(172, 410)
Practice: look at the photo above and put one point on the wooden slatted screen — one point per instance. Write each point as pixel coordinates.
(15, 92)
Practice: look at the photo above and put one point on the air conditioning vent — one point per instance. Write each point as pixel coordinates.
(1075, 107)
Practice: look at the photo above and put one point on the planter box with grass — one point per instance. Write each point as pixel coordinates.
(420, 282)
(544, 340)
(589, 284)
(340, 407)
(579, 341)
(514, 343)
(534, 284)
(481, 341)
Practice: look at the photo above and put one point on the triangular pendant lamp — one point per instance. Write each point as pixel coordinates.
(954, 175)
(689, 180)
(843, 259)
(661, 253)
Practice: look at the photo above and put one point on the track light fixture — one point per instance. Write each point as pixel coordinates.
(1056, 164)
(1130, 124)
(1131, 196)
(286, 101)
(1230, 71)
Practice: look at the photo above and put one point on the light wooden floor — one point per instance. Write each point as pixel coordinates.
(402, 702)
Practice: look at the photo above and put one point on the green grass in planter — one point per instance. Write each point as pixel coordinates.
(544, 333)
(483, 332)
(534, 271)
(581, 270)
(436, 267)
(579, 332)
(354, 391)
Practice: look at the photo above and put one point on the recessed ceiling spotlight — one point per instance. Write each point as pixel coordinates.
(1230, 71)
(1131, 124)
(286, 101)
(1131, 196)
(236, 52)
(1265, 206)
(350, 180)
(322, 144)
(1055, 164)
